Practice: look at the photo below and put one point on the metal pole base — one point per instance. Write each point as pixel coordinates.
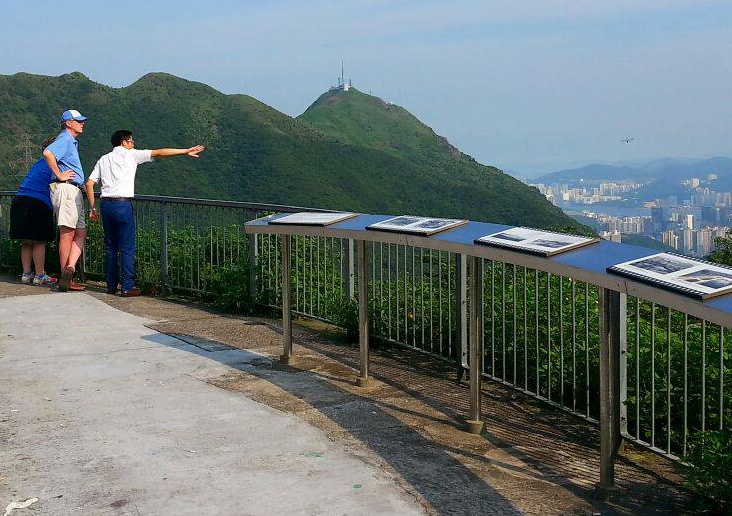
(475, 427)
(605, 493)
(287, 360)
(364, 382)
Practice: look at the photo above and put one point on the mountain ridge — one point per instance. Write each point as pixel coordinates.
(256, 153)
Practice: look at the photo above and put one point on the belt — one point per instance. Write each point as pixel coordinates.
(68, 182)
(116, 199)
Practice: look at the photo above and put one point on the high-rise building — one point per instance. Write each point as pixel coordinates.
(708, 216)
(658, 219)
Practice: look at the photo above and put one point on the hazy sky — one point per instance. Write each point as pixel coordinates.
(528, 86)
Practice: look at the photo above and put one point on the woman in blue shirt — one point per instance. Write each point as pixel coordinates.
(31, 219)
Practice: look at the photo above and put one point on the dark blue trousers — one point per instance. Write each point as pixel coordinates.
(118, 221)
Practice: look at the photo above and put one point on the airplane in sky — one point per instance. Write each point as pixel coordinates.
(627, 140)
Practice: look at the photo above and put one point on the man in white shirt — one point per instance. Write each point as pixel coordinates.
(116, 171)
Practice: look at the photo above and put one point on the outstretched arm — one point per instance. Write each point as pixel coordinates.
(193, 152)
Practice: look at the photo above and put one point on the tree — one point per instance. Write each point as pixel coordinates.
(723, 252)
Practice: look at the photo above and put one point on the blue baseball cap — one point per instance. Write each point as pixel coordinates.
(72, 114)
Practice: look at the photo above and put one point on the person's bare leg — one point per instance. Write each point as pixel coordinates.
(39, 256)
(77, 247)
(26, 255)
(65, 241)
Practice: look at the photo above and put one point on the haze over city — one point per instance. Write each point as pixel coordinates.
(529, 87)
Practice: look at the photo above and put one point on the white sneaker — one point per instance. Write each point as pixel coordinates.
(26, 278)
(44, 279)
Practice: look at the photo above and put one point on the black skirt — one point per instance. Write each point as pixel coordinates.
(31, 219)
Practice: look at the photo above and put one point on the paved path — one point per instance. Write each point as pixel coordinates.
(112, 417)
(101, 415)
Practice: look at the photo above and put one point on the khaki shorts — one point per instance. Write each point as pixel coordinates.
(68, 205)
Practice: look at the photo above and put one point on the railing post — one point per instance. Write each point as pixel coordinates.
(475, 424)
(348, 269)
(164, 280)
(363, 314)
(253, 256)
(612, 308)
(286, 357)
(461, 291)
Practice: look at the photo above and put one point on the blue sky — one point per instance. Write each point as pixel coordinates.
(528, 86)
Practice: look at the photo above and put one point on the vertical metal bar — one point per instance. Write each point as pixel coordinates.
(721, 377)
(396, 294)
(351, 270)
(574, 346)
(503, 321)
(252, 255)
(388, 270)
(450, 292)
(561, 340)
(587, 349)
(612, 308)
(406, 303)
(668, 382)
(526, 333)
(536, 330)
(462, 302)
(637, 368)
(414, 299)
(493, 319)
(549, 334)
(363, 314)
(653, 374)
(422, 315)
(513, 309)
(704, 377)
(623, 367)
(686, 382)
(431, 297)
(164, 248)
(475, 425)
(286, 309)
(439, 298)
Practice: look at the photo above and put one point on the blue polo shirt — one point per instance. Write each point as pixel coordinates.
(65, 149)
(36, 181)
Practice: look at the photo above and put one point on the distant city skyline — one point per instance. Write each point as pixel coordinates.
(529, 87)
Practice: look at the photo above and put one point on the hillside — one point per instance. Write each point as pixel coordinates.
(594, 172)
(349, 151)
(355, 118)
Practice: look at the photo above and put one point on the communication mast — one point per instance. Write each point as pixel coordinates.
(342, 86)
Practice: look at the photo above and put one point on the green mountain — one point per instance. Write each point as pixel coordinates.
(348, 151)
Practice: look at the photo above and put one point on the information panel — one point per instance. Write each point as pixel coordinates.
(696, 278)
(536, 241)
(416, 225)
(308, 218)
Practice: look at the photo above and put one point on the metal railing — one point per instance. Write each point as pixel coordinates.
(540, 331)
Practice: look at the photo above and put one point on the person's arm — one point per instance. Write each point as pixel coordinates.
(53, 165)
(89, 188)
(193, 152)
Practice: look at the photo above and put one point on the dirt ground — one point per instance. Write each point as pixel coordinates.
(410, 420)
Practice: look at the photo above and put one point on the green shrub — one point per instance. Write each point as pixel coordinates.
(709, 465)
(229, 286)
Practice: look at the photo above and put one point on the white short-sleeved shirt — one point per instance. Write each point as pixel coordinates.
(116, 171)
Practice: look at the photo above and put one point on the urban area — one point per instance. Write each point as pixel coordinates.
(687, 225)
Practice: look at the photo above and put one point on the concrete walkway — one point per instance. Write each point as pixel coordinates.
(101, 415)
(118, 406)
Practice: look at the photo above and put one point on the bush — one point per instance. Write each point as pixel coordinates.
(229, 286)
(344, 314)
(709, 464)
